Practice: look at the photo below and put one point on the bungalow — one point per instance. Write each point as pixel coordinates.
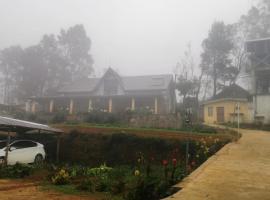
(111, 93)
(223, 107)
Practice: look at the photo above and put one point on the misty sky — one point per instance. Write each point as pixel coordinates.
(133, 36)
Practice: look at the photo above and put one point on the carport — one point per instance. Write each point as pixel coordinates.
(10, 125)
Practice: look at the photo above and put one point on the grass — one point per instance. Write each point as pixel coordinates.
(252, 126)
(72, 190)
(66, 189)
(197, 129)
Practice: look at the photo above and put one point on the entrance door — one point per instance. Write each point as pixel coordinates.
(220, 114)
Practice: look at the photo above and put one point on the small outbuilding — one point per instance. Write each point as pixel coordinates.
(223, 108)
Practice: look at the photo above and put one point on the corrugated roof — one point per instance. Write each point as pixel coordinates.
(7, 123)
(130, 83)
(233, 92)
(82, 85)
(151, 82)
(259, 39)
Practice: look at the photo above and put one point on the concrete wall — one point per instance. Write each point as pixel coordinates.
(229, 108)
(262, 104)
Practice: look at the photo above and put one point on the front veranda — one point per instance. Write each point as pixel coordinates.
(115, 104)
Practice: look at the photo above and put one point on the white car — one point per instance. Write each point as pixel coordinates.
(22, 151)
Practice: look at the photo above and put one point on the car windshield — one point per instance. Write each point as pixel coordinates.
(3, 144)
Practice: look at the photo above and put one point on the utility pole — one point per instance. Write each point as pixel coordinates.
(188, 122)
(238, 117)
(7, 148)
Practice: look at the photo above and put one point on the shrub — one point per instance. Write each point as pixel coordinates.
(61, 177)
(100, 117)
(16, 171)
(149, 188)
(86, 184)
(199, 128)
(59, 117)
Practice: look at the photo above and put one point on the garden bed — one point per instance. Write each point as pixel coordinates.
(139, 162)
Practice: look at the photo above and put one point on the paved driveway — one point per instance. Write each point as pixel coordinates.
(240, 171)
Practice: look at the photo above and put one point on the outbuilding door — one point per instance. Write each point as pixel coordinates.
(220, 114)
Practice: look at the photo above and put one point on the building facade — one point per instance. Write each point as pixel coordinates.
(259, 56)
(225, 107)
(111, 93)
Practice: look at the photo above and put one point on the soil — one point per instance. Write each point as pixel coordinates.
(30, 190)
(239, 171)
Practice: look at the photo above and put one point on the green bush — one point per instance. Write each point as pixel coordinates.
(99, 117)
(61, 177)
(86, 184)
(199, 128)
(59, 117)
(16, 171)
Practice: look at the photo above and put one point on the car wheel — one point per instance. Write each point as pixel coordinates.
(38, 159)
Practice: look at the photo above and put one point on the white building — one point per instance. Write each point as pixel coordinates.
(259, 55)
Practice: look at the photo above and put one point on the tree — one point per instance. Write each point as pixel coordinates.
(58, 73)
(41, 69)
(34, 73)
(216, 60)
(188, 84)
(75, 47)
(10, 65)
(256, 22)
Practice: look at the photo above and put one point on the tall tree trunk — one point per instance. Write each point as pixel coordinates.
(200, 85)
(215, 80)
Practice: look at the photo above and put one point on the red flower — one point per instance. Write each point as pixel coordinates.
(174, 161)
(165, 163)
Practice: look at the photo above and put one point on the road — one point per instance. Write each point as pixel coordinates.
(239, 171)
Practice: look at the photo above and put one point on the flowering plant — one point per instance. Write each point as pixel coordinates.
(61, 177)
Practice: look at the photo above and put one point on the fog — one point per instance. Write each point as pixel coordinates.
(131, 36)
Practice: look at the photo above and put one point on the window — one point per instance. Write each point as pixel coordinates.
(263, 85)
(3, 144)
(210, 111)
(23, 144)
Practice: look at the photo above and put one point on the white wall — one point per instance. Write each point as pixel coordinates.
(263, 106)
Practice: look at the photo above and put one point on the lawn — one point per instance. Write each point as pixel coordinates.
(196, 132)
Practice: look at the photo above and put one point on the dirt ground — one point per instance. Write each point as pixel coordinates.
(240, 171)
(29, 190)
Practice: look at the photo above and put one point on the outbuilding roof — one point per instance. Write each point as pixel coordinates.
(233, 92)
